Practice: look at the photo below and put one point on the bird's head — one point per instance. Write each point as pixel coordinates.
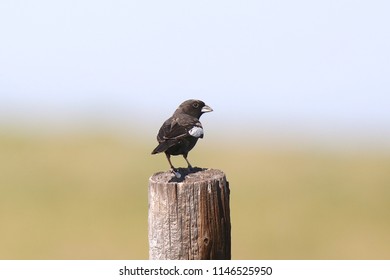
(194, 108)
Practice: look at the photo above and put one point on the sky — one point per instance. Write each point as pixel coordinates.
(305, 66)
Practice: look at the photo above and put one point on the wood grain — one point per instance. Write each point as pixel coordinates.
(189, 218)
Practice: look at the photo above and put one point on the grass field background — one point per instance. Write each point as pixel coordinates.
(84, 196)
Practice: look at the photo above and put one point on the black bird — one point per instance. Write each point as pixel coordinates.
(179, 134)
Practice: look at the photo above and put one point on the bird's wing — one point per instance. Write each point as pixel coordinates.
(179, 126)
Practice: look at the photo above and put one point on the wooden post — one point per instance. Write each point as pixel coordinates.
(189, 219)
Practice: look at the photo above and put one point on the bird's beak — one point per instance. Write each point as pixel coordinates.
(206, 109)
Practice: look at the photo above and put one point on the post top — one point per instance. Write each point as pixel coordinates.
(187, 176)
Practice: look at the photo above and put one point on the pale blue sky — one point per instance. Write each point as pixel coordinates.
(304, 65)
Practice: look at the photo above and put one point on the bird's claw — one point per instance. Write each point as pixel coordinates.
(177, 174)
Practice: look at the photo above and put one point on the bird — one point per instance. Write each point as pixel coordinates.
(179, 134)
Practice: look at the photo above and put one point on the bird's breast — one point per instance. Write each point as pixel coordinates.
(196, 132)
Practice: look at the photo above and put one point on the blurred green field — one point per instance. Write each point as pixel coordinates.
(84, 196)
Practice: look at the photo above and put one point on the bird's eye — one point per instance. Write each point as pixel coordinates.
(195, 105)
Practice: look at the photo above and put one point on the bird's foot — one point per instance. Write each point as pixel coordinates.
(176, 173)
(190, 168)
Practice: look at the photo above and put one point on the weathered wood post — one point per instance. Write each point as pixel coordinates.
(189, 219)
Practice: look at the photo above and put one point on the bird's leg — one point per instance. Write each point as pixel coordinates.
(169, 160)
(189, 164)
(173, 169)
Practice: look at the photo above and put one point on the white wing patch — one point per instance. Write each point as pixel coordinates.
(196, 131)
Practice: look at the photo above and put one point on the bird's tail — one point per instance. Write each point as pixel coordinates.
(162, 147)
